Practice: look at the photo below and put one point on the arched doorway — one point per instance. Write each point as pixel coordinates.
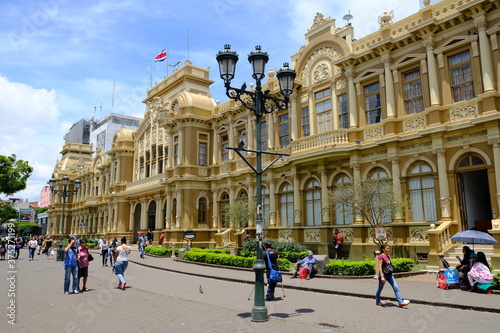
(137, 222)
(152, 215)
(473, 193)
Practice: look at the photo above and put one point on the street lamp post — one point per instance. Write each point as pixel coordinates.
(260, 103)
(64, 193)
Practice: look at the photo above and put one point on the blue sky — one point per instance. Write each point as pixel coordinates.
(61, 58)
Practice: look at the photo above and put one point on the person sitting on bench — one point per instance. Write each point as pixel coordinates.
(480, 272)
(307, 263)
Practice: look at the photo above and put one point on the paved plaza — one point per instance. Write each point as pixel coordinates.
(165, 295)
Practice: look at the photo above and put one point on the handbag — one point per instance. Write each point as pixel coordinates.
(388, 269)
(91, 257)
(274, 275)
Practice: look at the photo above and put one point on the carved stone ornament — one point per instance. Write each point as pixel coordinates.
(340, 84)
(374, 133)
(321, 72)
(419, 235)
(464, 112)
(414, 124)
(312, 235)
(304, 98)
(319, 20)
(285, 236)
(324, 52)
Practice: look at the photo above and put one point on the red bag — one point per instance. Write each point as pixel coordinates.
(303, 272)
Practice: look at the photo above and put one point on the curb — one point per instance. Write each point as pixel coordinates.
(316, 290)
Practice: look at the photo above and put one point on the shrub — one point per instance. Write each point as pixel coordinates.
(357, 268)
(26, 228)
(227, 259)
(91, 245)
(251, 245)
(215, 251)
(159, 251)
(402, 264)
(496, 280)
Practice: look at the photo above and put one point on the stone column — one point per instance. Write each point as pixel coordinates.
(178, 213)
(170, 142)
(313, 124)
(180, 147)
(296, 199)
(396, 185)
(445, 199)
(168, 208)
(215, 212)
(432, 71)
(144, 215)
(215, 148)
(389, 86)
(272, 202)
(351, 95)
(325, 207)
(357, 180)
(271, 132)
(485, 53)
(131, 218)
(231, 136)
(250, 132)
(496, 160)
(294, 118)
(158, 217)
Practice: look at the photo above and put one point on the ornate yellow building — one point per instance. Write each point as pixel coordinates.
(417, 101)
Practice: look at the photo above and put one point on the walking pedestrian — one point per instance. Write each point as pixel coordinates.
(385, 271)
(103, 245)
(48, 247)
(121, 262)
(111, 252)
(83, 264)
(71, 266)
(19, 244)
(39, 245)
(142, 244)
(150, 237)
(32, 244)
(270, 256)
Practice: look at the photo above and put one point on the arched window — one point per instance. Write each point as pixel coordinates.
(224, 201)
(343, 213)
(286, 205)
(313, 203)
(265, 207)
(202, 210)
(470, 161)
(422, 193)
(379, 173)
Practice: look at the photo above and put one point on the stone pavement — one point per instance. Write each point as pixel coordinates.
(420, 288)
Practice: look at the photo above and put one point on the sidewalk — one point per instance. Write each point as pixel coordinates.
(420, 289)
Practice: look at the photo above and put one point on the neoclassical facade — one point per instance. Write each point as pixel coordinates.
(416, 102)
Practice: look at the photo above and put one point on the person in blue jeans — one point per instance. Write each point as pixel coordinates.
(142, 244)
(273, 260)
(71, 266)
(383, 262)
(121, 262)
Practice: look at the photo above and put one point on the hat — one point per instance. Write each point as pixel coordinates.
(310, 253)
(73, 237)
(267, 244)
(84, 240)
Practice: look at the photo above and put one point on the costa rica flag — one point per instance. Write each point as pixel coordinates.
(162, 56)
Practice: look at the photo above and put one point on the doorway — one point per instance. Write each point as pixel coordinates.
(474, 200)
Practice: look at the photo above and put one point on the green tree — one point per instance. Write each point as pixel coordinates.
(373, 200)
(39, 211)
(7, 212)
(239, 213)
(13, 174)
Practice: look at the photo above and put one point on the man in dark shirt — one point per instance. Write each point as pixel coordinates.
(273, 257)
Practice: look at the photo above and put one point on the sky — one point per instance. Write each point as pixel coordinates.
(65, 60)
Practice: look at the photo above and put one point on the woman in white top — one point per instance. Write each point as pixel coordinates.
(121, 262)
(104, 251)
(32, 244)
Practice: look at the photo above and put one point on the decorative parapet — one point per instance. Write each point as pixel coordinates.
(414, 124)
(464, 112)
(320, 140)
(374, 133)
(145, 182)
(312, 235)
(419, 234)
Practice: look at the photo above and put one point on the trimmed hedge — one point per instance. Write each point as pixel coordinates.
(227, 259)
(357, 268)
(366, 267)
(159, 251)
(496, 280)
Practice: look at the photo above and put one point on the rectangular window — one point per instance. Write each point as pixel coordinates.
(306, 128)
(263, 136)
(153, 151)
(101, 139)
(242, 140)
(343, 111)
(224, 150)
(176, 154)
(324, 110)
(413, 92)
(202, 154)
(372, 104)
(284, 130)
(461, 77)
